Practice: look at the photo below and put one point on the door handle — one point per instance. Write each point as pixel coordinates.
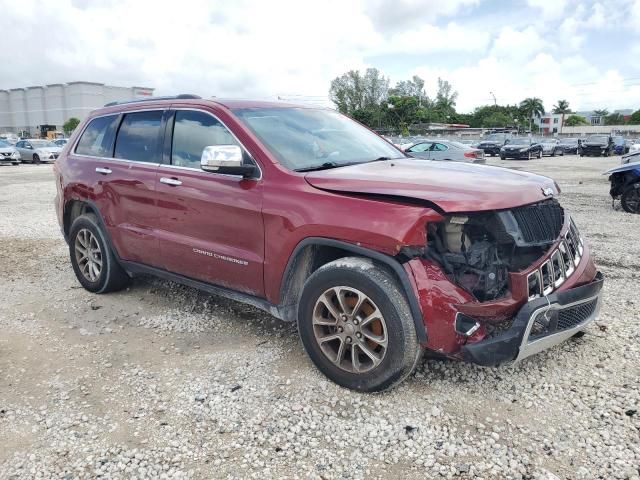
(104, 171)
(174, 182)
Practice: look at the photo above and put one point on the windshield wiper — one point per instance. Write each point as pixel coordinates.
(323, 166)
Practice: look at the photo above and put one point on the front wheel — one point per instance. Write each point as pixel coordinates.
(540, 154)
(502, 157)
(630, 199)
(93, 262)
(15, 163)
(36, 158)
(356, 326)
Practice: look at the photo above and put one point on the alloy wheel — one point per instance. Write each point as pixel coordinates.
(632, 201)
(350, 329)
(88, 255)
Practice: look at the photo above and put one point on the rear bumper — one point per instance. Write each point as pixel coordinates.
(564, 312)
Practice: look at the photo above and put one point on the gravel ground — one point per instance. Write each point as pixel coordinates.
(163, 381)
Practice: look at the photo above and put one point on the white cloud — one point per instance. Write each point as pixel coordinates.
(251, 48)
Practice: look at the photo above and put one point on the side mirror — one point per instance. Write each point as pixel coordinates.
(225, 159)
(506, 141)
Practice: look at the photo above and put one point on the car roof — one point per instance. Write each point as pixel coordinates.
(229, 103)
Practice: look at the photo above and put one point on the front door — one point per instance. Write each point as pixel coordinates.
(211, 226)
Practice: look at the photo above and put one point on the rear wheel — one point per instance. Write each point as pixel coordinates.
(356, 326)
(539, 153)
(15, 163)
(93, 261)
(630, 199)
(502, 157)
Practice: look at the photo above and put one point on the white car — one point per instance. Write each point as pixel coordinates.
(635, 146)
(36, 151)
(8, 153)
(61, 142)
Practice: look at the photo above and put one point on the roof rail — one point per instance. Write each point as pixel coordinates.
(182, 96)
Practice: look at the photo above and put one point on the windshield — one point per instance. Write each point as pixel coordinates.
(42, 144)
(496, 137)
(520, 141)
(598, 139)
(4, 144)
(305, 138)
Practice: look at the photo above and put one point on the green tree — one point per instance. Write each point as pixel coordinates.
(401, 112)
(601, 113)
(445, 103)
(562, 107)
(411, 88)
(614, 119)
(354, 91)
(532, 107)
(635, 118)
(576, 121)
(70, 125)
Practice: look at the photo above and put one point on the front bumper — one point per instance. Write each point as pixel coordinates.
(564, 313)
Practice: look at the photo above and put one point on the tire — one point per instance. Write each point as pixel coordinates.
(630, 199)
(539, 154)
(36, 158)
(369, 287)
(502, 157)
(553, 154)
(15, 163)
(111, 276)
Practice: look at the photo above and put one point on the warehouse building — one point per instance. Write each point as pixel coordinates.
(33, 111)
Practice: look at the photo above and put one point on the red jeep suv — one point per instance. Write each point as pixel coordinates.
(313, 218)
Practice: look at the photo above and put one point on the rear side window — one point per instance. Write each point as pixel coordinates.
(95, 139)
(192, 132)
(139, 136)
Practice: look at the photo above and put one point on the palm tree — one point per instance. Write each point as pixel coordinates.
(561, 107)
(532, 107)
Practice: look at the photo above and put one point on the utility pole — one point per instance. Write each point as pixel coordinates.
(495, 103)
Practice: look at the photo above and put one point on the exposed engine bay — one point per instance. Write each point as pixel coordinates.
(477, 251)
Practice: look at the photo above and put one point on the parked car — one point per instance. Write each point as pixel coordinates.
(469, 143)
(523, 148)
(35, 151)
(310, 216)
(625, 185)
(550, 146)
(445, 150)
(596, 146)
(619, 145)
(61, 142)
(630, 157)
(8, 153)
(494, 142)
(569, 145)
(635, 146)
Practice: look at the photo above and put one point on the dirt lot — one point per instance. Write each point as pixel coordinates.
(163, 381)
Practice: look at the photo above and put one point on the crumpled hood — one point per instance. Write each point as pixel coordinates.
(452, 186)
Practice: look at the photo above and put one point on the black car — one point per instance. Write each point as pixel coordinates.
(597, 146)
(521, 147)
(494, 142)
(569, 145)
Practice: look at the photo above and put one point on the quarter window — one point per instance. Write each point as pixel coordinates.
(94, 140)
(439, 147)
(192, 132)
(138, 137)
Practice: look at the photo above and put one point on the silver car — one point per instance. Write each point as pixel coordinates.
(445, 150)
(551, 146)
(8, 153)
(36, 151)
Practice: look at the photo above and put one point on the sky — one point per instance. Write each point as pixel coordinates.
(587, 52)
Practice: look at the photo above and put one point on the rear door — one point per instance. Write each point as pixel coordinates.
(120, 154)
(211, 226)
(439, 151)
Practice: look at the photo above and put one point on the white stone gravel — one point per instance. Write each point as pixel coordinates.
(161, 381)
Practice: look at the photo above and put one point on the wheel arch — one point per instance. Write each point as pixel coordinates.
(313, 252)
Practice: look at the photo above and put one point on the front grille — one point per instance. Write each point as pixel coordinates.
(555, 321)
(541, 222)
(6, 154)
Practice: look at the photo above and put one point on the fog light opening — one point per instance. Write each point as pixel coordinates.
(466, 325)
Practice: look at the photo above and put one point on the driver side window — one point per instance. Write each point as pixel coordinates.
(420, 147)
(192, 131)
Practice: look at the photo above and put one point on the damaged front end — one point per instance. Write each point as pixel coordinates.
(483, 268)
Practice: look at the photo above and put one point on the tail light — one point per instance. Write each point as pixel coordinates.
(472, 154)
